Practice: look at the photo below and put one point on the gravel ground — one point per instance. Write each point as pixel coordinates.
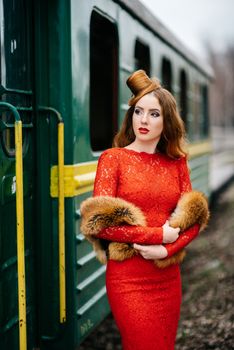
(207, 314)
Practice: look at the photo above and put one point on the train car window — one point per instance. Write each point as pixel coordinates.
(103, 81)
(196, 111)
(183, 97)
(16, 58)
(142, 56)
(204, 111)
(166, 74)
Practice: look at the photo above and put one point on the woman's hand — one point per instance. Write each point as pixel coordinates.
(151, 252)
(170, 234)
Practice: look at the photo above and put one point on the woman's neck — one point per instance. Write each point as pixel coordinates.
(148, 147)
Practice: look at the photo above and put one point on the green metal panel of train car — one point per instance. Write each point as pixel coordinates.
(53, 90)
(16, 74)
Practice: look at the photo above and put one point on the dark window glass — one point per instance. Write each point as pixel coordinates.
(204, 111)
(142, 57)
(183, 97)
(103, 81)
(166, 74)
(15, 63)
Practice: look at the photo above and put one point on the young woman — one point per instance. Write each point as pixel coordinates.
(148, 168)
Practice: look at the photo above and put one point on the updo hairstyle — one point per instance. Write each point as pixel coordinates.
(140, 84)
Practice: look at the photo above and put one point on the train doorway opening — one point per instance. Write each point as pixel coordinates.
(103, 81)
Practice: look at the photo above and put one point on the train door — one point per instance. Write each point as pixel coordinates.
(16, 91)
(56, 287)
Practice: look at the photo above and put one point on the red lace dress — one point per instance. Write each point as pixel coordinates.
(144, 299)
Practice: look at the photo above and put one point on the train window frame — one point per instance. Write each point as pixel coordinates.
(167, 74)
(143, 61)
(103, 98)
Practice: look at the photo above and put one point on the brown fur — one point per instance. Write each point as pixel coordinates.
(104, 211)
(192, 208)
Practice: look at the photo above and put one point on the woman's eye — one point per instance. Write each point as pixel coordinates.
(155, 114)
(137, 111)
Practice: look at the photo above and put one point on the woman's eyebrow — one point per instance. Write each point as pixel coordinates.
(152, 109)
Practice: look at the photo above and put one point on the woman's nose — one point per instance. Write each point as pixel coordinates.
(144, 118)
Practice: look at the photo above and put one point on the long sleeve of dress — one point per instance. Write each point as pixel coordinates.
(106, 184)
(187, 236)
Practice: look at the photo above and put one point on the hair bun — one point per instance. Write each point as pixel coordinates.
(138, 81)
(140, 84)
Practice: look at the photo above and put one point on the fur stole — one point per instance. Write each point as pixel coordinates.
(104, 211)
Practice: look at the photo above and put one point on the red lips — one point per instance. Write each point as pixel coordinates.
(143, 130)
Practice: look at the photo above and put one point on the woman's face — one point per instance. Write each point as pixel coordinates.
(147, 119)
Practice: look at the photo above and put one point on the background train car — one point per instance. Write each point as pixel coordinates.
(66, 63)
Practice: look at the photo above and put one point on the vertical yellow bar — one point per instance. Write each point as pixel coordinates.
(62, 282)
(20, 236)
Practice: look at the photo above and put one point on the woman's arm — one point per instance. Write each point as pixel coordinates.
(132, 234)
(167, 250)
(139, 234)
(187, 236)
(106, 180)
(151, 252)
(184, 239)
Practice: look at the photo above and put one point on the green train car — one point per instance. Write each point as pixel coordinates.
(64, 64)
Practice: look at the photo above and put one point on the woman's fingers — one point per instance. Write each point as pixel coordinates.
(139, 247)
(151, 251)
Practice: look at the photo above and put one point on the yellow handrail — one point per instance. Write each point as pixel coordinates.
(61, 218)
(20, 235)
(61, 215)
